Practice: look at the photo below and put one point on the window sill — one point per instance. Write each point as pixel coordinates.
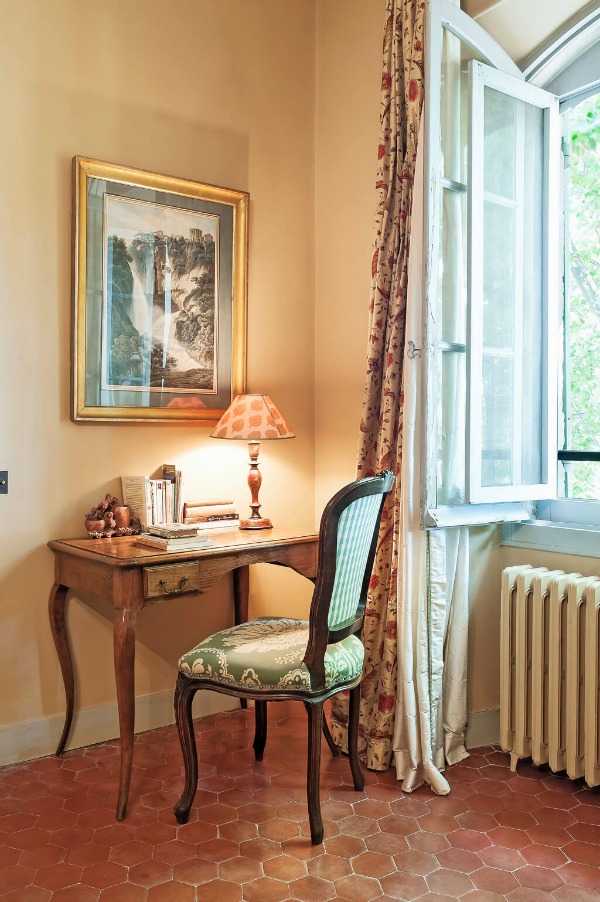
(548, 535)
(474, 514)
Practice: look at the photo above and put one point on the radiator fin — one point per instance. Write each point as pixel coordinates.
(592, 684)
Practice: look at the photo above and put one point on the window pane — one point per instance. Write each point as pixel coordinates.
(512, 302)
(500, 146)
(579, 480)
(451, 431)
(497, 417)
(499, 275)
(454, 107)
(451, 313)
(582, 352)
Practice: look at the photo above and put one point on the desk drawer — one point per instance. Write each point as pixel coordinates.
(171, 580)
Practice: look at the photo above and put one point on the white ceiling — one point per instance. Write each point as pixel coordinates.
(520, 26)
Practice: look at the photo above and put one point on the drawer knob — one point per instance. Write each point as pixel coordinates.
(182, 584)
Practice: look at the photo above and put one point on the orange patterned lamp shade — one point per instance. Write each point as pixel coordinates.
(253, 418)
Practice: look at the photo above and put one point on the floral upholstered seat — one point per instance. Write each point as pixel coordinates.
(268, 653)
(276, 658)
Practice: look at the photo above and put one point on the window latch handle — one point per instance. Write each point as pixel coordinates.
(412, 352)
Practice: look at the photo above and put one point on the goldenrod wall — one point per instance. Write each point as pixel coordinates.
(220, 92)
(348, 78)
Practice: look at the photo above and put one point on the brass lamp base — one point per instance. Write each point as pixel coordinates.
(256, 523)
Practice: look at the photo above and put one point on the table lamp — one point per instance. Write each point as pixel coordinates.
(253, 418)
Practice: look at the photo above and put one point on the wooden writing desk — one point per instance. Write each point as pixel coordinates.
(131, 576)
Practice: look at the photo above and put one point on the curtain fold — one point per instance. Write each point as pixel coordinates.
(432, 603)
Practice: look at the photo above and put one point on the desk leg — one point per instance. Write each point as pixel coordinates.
(124, 650)
(56, 611)
(241, 590)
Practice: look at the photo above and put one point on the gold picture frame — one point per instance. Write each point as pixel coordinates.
(159, 295)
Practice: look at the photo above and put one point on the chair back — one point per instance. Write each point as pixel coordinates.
(347, 544)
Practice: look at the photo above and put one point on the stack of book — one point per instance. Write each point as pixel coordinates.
(173, 537)
(155, 501)
(214, 514)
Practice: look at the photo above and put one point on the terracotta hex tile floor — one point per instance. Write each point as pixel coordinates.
(526, 837)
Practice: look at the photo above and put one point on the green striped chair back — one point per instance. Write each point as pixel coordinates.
(355, 533)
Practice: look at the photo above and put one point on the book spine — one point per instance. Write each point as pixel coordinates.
(211, 517)
(159, 510)
(213, 502)
(179, 497)
(166, 533)
(169, 472)
(135, 489)
(214, 524)
(152, 484)
(169, 545)
(170, 502)
(148, 490)
(212, 510)
(151, 541)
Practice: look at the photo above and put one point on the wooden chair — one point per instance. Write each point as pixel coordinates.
(277, 658)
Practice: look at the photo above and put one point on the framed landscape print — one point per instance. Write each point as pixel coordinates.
(159, 322)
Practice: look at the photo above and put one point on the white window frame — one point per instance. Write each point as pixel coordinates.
(569, 51)
(480, 77)
(445, 15)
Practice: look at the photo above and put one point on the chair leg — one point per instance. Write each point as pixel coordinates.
(313, 770)
(333, 748)
(184, 695)
(260, 730)
(353, 717)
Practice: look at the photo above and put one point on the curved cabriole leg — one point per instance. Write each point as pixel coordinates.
(353, 717)
(56, 611)
(184, 695)
(260, 730)
(329, 739)
(124, 653)
(315, 728)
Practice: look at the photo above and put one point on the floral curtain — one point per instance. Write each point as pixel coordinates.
(382, 417)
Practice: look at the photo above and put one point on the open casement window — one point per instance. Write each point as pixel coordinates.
(511, 352)
(491, 188)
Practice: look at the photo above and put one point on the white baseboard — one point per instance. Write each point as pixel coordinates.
(483, 728)
(39, 738)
